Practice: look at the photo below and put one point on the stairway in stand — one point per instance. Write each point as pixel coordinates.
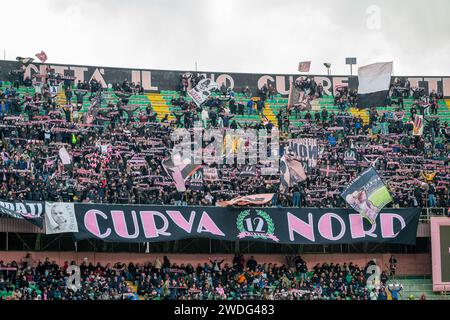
(159, 105)
(61, 98)
(362, 113)
(269, 114)
(447, 102)
(134, 289)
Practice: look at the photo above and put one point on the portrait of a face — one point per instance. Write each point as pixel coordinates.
(358, 200)
(60, 218)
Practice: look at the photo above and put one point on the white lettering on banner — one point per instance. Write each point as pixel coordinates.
(222, 79)
(79, 73)
(147, 81)
(339, 81)
(148, 221)
(149, 224)
(432, 84)
(414, 82)
(326, 228)
(20, 208)
(91, 223)
(326, 84)
(167, 80)
(373, 281)
(282, 87)
(357, 227)
(264, 80)
(446, 87)
(136, 76)
(388, 221)
(207, 224)
(98, 75)
(120, 225)
(300, 227)
(32, 209)
(74, 280)
(180, 221)
(59, 69)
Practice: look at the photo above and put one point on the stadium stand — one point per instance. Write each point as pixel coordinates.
(113, 128)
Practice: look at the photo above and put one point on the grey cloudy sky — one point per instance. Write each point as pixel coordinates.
(263, 36)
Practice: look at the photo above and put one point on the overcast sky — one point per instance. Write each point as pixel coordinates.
(263, 36)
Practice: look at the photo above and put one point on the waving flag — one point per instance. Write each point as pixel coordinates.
(292, 172)
(255, 199)
(367, 194)
(42, 56)
(11, 212)
(25, 61)
(374, 81)
(202, 91)
(179, 170)
(304, 66)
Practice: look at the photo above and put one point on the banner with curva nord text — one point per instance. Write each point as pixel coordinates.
(128, 223)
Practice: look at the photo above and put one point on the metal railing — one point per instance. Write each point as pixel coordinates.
(427, 213)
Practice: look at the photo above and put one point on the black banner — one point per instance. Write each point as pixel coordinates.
(128, 223)
(30, 211)
(159, 80)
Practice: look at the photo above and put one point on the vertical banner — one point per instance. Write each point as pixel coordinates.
(306, 150)
(418, 125)
(296, 97)
(196, 180)
(292, 173)
(64, 156)
(350, 158)
(210, 174)
(367, 194)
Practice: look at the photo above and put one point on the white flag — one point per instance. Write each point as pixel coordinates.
(64, 156)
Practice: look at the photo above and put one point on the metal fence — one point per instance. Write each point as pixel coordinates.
(427, 213)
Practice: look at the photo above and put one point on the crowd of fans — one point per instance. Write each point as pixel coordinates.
(244, 279)
(117, 150)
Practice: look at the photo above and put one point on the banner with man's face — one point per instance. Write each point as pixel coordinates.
(60, 218)
(367, 194)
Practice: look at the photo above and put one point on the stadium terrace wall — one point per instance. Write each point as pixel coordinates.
(158, 80)
(408, 264)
